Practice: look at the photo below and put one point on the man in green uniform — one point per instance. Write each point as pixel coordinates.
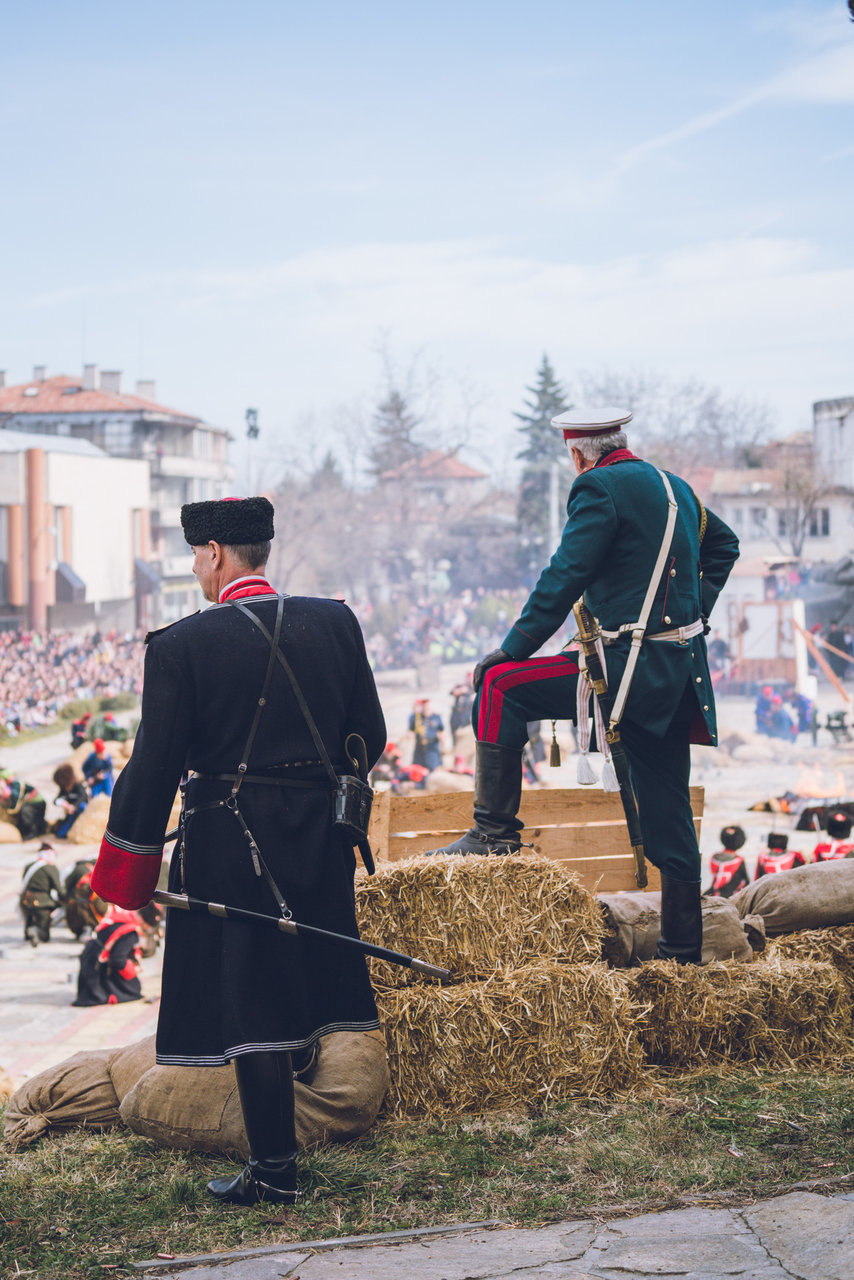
(615, 552)
(41, 893)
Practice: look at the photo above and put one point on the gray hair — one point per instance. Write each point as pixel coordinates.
(592, 448)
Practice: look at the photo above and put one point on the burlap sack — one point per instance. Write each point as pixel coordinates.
(634, 927)
(75, 1093)
(812, 897)
(128, 1065)
(444, 780)
(198, 1108)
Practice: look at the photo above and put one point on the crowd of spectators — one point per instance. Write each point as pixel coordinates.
(40, 674)
(449, 628)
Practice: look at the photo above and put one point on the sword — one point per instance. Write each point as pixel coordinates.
(588, 634)
(185, 903)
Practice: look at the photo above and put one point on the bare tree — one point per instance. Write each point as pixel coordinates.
(683, 425)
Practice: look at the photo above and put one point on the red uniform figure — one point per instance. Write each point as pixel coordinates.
(778, 856)
(729, 872)
(838, 846)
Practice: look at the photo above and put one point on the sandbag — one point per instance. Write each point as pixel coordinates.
(634, 926)
(198, 1108)
(129, 1064)
(76, 1093)
(812, 897)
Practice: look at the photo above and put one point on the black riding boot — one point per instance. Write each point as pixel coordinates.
(681, 922)
(497, 796)
(266, 1085)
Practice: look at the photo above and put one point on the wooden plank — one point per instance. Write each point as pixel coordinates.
(452, 810)
(583, 829)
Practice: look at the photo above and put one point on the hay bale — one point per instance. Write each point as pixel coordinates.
(477, 915)
(776, 1011)
(89, 828)
(820, 946)
(9, 833)
(541, 1032)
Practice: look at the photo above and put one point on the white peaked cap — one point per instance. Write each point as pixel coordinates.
(578, 423)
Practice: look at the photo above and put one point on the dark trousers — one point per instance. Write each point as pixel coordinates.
(545, 689)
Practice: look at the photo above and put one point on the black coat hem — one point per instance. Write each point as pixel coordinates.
(280, 1046)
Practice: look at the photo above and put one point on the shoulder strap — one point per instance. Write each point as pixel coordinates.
(640, 626)
(262, 701)
(298, 694)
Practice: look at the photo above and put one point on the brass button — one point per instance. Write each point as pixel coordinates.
(699, 679)
(666, 619)
(701, 573)
(673, 573)
(705, 708)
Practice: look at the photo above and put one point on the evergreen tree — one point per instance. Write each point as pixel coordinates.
(394, 428)
(543, 446)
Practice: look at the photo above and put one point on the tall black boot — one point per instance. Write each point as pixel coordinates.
(681, 921)
(497, 796)
(265, 1082)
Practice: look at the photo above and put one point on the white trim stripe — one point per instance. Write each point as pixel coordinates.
(275, 1046)
(128, 846)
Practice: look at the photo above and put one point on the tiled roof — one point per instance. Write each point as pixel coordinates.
(434, 465)
(65, 395)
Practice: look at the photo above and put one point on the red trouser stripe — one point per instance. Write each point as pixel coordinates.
(500, 679)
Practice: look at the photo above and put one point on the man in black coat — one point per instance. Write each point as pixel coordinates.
(233, 991)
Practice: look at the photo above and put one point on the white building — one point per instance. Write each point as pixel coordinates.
(185, 457)
(74, 525)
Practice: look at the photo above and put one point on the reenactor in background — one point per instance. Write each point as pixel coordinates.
(80, 914)
(110, 961)
(838, 846)
(24, 806)
(728, 868)
(463, 701)
(98, 770)
(777, 856)
(428, 729)
(71, 799)
(80, 730)
(41, 894)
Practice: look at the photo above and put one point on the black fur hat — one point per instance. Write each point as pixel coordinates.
(732, 838)
(778, 841)
(839, 825)
(234, 522)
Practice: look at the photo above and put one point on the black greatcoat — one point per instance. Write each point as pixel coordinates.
(230, 987)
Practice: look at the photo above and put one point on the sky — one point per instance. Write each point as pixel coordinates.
(268, 204)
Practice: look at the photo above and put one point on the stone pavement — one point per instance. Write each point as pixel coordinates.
(799, 1236)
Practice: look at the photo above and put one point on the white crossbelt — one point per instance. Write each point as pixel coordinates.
(638, 628)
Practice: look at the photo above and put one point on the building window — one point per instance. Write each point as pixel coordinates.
(820, 523)
(758, 524)
(737, 517)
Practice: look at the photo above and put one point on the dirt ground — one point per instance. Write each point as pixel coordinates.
(38, 1026)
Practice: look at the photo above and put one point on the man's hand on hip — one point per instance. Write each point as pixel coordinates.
(491, 660)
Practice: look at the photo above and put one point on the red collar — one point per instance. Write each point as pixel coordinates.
(241, 588)
(617, 455)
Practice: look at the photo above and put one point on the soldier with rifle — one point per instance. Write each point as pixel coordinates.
(250, 700)
(645, 562)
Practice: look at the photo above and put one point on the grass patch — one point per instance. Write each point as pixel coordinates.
(84, 1205)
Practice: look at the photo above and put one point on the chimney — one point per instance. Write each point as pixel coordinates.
(111, 380)
(90, 377)
(2, 377)
(39, 372)
(145, 388)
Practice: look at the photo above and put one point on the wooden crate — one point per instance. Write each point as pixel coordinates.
(584, 829)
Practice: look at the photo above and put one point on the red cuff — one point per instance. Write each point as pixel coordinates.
(127, 879)
(128, 971)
